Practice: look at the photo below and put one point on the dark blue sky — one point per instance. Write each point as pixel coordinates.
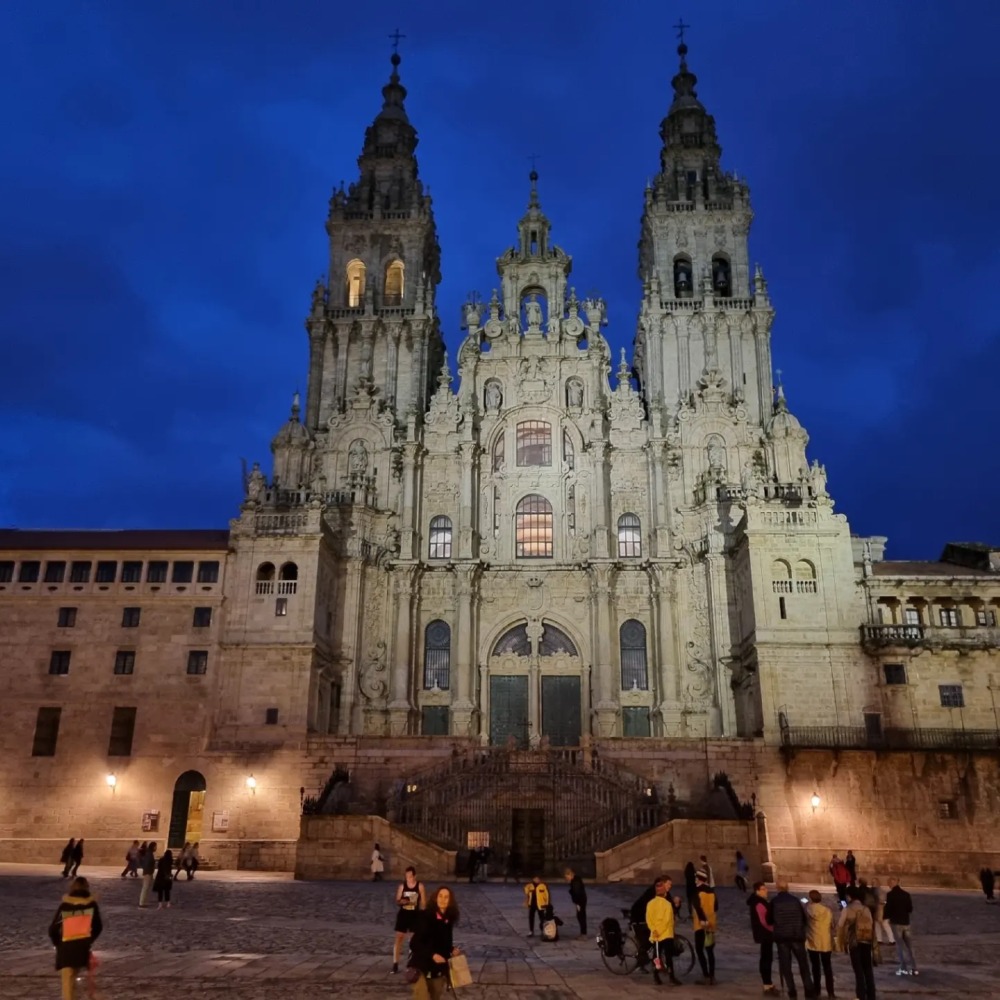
(166, 170)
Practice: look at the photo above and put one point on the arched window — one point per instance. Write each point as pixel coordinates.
(632, 643)
(498, 454)
(437, 655)
(683, 285)
(555, 640)
(722, 283)
(355, 284)
(394, 284)
(440, 538)
(534, 443)
(289, 571)
(514, 641)
(569, 452)
(629, 537)
(533, 528)
(805, 577)
(265, 578)
(781, 577)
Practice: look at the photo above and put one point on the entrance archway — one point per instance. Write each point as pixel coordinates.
(187, 812)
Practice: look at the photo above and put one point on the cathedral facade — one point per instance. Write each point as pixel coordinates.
(557, 548)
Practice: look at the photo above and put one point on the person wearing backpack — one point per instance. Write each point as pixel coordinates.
(74, 929)
(855, 934)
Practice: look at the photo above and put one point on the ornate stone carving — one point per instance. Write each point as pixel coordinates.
(373, 680)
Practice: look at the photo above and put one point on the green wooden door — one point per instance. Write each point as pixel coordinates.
(561, 710)
(508, 710)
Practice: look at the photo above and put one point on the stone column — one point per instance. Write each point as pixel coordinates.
(400, 706)
(464, 645)
(668, 654)
(600, 598)
(721, 717)
(314, 386)
(534, 630)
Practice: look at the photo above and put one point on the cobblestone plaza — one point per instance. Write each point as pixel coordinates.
(251, 936)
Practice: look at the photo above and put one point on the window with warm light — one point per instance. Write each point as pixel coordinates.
(355, 284)
(533, 528)
(534, 443)
(394, 284)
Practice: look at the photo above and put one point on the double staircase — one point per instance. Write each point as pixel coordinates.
(551, 806)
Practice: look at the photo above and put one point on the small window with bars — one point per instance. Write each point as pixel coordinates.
(125, 661)
(208, 572)
(952, 695)
(270, 717)
(183, 571)
(29, 571)
(437, 656)
(131, 572)
(156, 571)
(6, 571)
(122, 732)
(197, 662)
(79, 572)
(632, 642)
(55, 571)
(895, 673)
(107, 572)
(202, 618)
(59, 661)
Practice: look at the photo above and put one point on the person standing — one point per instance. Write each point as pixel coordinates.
(788, 919)
(705, 919)
(707, 868)
(851, 864)
(578, 897)
(377, 864)
(819, 940)
(841, 878)
(410, 899)
(637, 918)
(76, 858)
(193, 860)
(433, 944)
(473, 864)
(855, 934)
(763, 933)
(987, 879)
(513, 869)
(66, 858)
(74, 929)
(690, 885)
(131, 860)
(660, 921)
(148, 865)
(182, 858)
(897, 910)
(536, 899)
(164, 880)
(742, 872)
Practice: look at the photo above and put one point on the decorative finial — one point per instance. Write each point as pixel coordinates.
(780, 390)
(396, 36)
(296, 408)
(680, 28)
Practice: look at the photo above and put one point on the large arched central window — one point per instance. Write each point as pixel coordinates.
(629, 537)
(437, 656)
(632, 639)
(534, 443)
(533, 528)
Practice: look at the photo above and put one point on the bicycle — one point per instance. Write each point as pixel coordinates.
(632, 952)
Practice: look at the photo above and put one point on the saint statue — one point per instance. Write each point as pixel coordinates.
(533, 313)
(574, 394)
(256, 482)
(357, 458)
(493, 396)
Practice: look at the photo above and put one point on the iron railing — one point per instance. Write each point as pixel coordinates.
(860, 738)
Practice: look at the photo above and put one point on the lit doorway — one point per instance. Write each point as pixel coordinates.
(187, 813)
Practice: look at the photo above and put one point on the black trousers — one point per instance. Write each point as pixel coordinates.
(786, 949)
(664, 951)
(864, 971)
(581, 917)
(705, 953)
(532, 910)
(816, 959)
(766, 961)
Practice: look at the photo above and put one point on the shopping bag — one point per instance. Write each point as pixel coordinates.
(458, 970)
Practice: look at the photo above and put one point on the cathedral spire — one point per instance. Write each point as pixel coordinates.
(688, 131)
(534, 226)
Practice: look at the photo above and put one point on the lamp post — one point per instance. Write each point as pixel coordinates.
(815, 801)
(111, 781)
(252, 784)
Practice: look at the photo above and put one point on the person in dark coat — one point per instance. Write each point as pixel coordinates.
(66, 858)
(763, 934)
(851, 864)
(578, 896)
(74, 929)
(432, 945)
(163, 882)
(76, 857)
(788, 918)
(637, 918)
(987, 879)
(690, 886)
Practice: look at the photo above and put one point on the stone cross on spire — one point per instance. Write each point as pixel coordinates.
(396, 36)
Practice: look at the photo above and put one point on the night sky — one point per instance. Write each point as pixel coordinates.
(166, 170)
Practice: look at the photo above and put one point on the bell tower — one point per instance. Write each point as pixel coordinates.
(373, 323)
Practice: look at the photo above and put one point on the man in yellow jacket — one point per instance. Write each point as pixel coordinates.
(660, 921)
(536, 898)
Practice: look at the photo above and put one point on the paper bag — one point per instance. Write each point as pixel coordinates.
(458, 969)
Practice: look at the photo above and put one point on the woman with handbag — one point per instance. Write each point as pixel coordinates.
(432, 946)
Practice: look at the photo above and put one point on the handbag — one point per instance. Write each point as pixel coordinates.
(458, 971)
(412, 974)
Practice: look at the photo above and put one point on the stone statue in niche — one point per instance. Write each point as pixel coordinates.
(357, 458)
(574, 394)
(533, 313)
(716, 455)
(256, 482)
(494, 397)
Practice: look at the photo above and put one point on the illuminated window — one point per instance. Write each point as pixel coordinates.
(533, 527)
(437, 656)
(393, 284)
(355, 284)
(629, 537)
(440, 540)
(534, 443)
(632, 642)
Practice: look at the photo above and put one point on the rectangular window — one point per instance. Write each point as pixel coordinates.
(156, 572)
(911, 616)
(202, 618)
(950, 617)
(986, 617)
(130, 617)
(131, 572)
(122, 731)
(947, 810)
(951, 695)
(107, 572)
(46, 732)
(208, 572)
(635, 721)
(29, 571)
(125, 661)
(59, 661)
(6, 571)
(55, 572)
(873, 726)
(183, 572)
(534, 443)
(271, 717)
(280, 607)
(783, 610)
(197, 661)
(67, 618)
(895, 673)
(434, 720)
(79, 572)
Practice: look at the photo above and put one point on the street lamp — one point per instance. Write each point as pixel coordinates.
(252, 784)
(815, 801)
(111, 781)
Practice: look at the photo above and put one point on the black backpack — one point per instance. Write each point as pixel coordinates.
(611, 937)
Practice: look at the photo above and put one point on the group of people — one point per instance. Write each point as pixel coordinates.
(71, 857)
(159, 874)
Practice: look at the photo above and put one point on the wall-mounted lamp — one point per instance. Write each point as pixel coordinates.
(411, 788)
(252, 784)
(112, 781)
(815, 801)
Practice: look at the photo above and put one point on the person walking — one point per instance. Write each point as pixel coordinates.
(432, 945)
(74, 929)
(855, 935)
(76, 858)
(788, 919)
(763, 933)
(164, 879)
(147, 863)
(742, 872)
(410, 900)
(987, 879)
(705, 920)
(536, 899)
(819, 940)
(182, 857)
(578, 897)
(841, 878)
(131, 860)
(66, 858)
(660, 921)
(851, 864)
(896, 912)
(377, 864)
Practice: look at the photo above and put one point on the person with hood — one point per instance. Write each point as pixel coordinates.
(856, 935)
(897, 910)
(432, 945)
(164, 880)
(705, 919)
(74, 929)
(819, 940)
(536, 899)
(742, 871)
(763, 933)
(66, 858)
(788, 920)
